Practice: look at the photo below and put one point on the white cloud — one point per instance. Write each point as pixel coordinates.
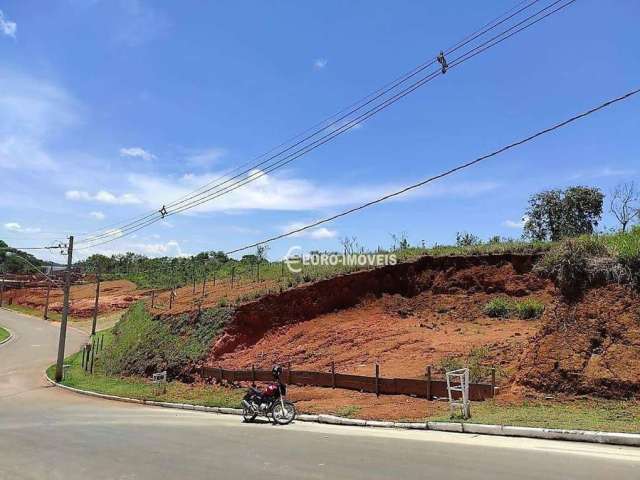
(137, 152)
(320, 63)
(603, 173)
(284, 193)
(102, 196)
(513, 224)
(6, 27)
(16, 227)
(32, 112)
(319, 233)
(140, 23)
(205, 158)
(97, 215)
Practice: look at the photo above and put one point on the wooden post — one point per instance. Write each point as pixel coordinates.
(258, 271)
(377, 380)
(333, 374)
(282, 269)
(93, 355)
(253, 374)
(193, 274)
(84, 351)
(2, 287)
(233, 274)
(493, 382)
(46, 304)
(153, 298)
(170, 299)
(221, 374)
(214, 278)
(204, 282)
(288, 373)
(95, 306)
(428, 382)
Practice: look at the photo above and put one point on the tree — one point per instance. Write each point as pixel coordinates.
(556, 214)
(624, 204)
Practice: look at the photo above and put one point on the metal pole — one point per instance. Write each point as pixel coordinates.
(65, 311)
(46, 305)
(2, 287)
(95, 307)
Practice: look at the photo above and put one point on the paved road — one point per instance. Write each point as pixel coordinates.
(48, 433)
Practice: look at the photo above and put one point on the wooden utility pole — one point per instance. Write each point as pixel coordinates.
(46, 304)
(95, 307)
(2, 287)
(65, 311)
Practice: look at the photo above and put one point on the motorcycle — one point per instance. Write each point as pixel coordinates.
(270, 402)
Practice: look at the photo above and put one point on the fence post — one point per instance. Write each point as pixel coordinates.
(93, 354)
(221, 374)
(377, 380)
(2, 287)
(493, 382)
(214, 278)
(95, 306)
(253, 374)
(153, 298)
(84, 351)
(233, 274)
(204, 281)
(288, 373)
(46, 304)
(170, 299)
(193, 274)
(333, 374)
(428, 382)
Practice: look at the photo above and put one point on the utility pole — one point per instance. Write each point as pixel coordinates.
(65, 311)
(2, 287)
(95, 307)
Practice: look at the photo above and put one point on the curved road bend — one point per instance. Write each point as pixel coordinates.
(49, 433)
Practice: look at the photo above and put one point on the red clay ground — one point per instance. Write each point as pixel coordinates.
(114, 295)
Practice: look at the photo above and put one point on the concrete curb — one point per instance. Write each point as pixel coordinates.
(611, 438)
(9, 338)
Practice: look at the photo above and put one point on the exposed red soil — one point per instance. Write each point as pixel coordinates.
(405, 334)
(114, 295)
(591, 346)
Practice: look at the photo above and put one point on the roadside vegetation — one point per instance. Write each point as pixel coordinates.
(4, 334)
(504, 307)
(141, 344)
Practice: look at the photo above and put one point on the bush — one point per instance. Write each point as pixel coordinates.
(528, 309)
(143, 345)
(576, 263)
(498, 308)
(474, 361)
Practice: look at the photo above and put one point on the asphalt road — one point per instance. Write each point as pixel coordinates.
(48, 433)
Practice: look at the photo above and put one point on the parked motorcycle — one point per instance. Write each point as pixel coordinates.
(270, 402)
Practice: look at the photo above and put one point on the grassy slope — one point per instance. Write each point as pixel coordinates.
(4, 334)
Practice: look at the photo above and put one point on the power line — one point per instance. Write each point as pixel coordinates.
(443, 174)
(339, 129)
(282, 162)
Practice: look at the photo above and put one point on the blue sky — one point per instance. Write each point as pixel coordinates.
(111, 108)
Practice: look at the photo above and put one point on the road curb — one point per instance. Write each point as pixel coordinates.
(610, 438)
(9, 338)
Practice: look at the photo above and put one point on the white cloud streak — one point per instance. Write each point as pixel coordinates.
(320, 63)
(7, 27)
(137, 152)
(102, 196)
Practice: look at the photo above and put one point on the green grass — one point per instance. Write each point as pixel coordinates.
(504, 307)
(142, 344)
(4, 334)
(140, 387)
(348, 411)
(587, 414)
(34, 312)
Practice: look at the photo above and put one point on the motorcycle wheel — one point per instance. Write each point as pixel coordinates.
(248, 415)
(283, 417)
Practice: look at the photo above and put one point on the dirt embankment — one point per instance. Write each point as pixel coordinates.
(446, 275)
(425, 313)
(114, 295)
(590, 347)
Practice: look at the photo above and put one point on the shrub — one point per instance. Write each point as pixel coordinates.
(474, 361)
(575, 262)
(143, 344)
(529, 308)
(498, 308)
